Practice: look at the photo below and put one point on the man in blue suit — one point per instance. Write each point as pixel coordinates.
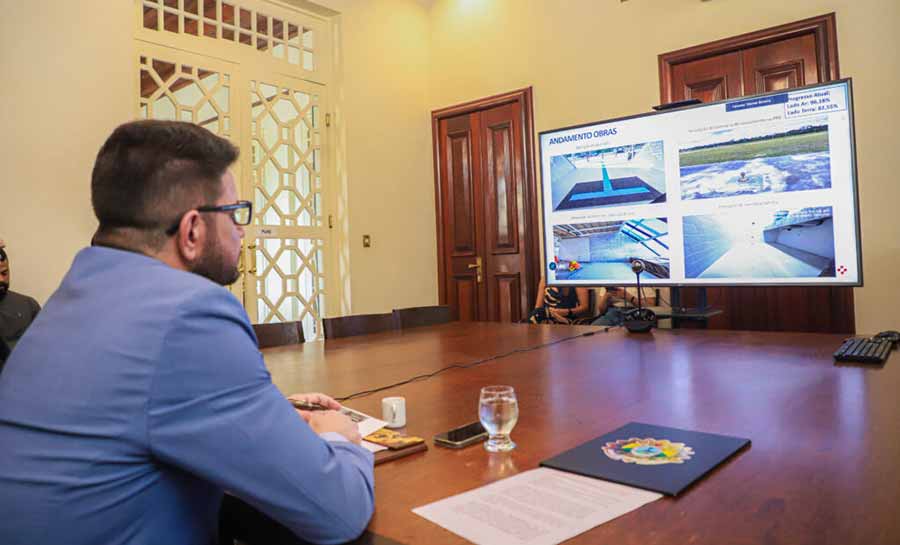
(139, 395)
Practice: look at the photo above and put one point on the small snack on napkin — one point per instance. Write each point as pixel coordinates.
(392, 439)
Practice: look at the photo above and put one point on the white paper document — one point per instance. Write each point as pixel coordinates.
(538, 507)
(372, 447)
(366, 425)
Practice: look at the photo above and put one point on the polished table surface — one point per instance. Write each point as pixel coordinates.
(824, 465)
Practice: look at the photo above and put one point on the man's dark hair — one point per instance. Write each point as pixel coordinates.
(150, 172)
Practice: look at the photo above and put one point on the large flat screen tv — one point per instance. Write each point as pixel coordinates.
(757, 190)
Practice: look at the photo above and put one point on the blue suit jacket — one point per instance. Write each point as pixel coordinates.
(138, 396)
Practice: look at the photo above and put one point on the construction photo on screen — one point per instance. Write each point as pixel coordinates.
(750, 160)
(605, 250)
(771, 244)
(622, 175)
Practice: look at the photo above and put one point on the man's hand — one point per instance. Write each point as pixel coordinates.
(318, 399)
(330, 420)
(325, 421)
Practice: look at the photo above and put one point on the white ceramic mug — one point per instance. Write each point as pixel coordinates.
(393, 411)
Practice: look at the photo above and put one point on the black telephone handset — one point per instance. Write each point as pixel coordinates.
(462, 436)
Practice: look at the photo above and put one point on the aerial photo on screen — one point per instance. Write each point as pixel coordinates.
(604, 250)
(750, 160)
(631, 174)
(781, 244)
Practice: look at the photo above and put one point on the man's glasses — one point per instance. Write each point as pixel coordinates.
(241, 212)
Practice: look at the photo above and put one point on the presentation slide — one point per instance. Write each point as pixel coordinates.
(755, 190)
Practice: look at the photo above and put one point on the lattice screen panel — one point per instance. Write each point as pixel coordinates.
(180, 92)
(290, 282)
(229, 21)
(285, 156)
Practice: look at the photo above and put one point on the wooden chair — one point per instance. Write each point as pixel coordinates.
(279, 334)
(361, 324)
(405, 318)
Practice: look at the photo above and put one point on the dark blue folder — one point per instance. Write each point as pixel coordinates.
(589, 459)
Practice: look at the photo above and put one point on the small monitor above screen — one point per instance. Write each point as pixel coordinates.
(749, 191)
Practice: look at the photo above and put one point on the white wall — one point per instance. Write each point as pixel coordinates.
(390, 185)
(68, 80)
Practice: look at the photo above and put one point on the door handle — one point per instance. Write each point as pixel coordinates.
(477, 267)
(252, 247)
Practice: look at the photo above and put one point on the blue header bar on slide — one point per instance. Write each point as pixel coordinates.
(756, 102)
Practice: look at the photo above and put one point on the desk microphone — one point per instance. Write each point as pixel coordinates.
(639, 320)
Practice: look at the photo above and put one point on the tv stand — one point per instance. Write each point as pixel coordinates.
(678, 313)
(702, 305)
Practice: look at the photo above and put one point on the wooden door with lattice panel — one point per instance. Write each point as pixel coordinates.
(174, 86)
(180, 86)
(256, 73)
(289, 232)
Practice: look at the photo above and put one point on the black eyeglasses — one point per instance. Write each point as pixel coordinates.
(241, 212)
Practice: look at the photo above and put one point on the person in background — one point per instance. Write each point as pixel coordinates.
(140, 395)
(17, 311)
(609, 312)
(556, 305)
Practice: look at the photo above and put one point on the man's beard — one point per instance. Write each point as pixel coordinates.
(213, 265)
(4, 289)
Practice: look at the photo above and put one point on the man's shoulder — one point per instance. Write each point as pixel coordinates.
(208, 298)
(18, 300)
(135, 271)
(32, 303)
(110, 277)
(193, 296)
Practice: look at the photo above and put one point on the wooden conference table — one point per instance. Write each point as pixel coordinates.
(824, 465)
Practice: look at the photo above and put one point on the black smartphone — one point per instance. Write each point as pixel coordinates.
(462, 436)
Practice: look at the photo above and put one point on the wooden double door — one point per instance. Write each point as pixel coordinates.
(486, 209)
(791, 55)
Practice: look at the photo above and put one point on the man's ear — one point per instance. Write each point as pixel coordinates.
(191, 236)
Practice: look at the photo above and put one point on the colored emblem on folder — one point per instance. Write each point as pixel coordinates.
(648, 451)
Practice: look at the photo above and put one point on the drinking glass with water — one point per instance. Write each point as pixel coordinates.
(498, 411)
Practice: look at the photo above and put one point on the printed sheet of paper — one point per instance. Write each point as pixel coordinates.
(372, 447)
(366, 425)
(538, 507)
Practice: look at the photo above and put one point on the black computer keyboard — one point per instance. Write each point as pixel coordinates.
(864, 350)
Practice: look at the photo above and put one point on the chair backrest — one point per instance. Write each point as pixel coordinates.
(421, 316)
(4, 353)
(361, 324)
(279, 334)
